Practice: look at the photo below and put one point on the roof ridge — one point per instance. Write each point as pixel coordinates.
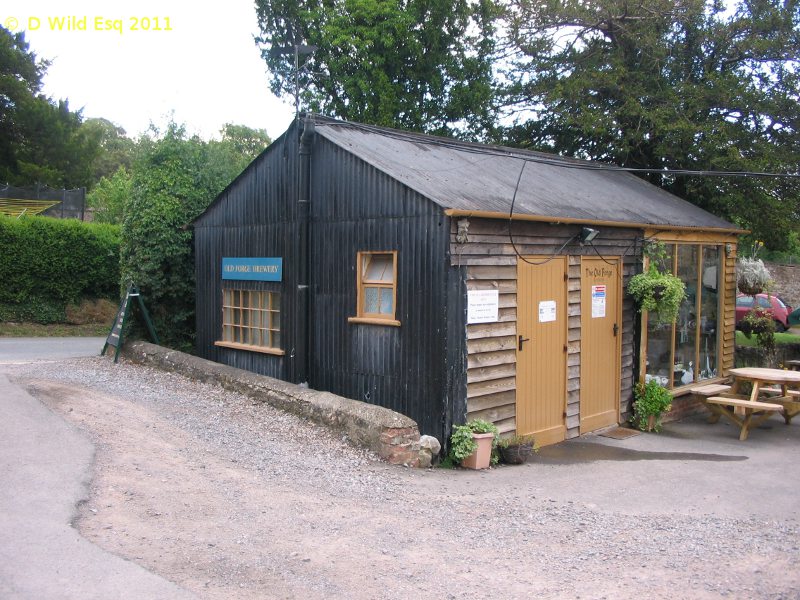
(474, 147)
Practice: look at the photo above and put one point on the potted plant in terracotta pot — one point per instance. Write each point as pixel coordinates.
(650, 401)
(473, 444)
(517, 449)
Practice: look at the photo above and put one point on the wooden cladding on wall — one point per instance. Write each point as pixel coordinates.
(491, 351)
(490, 261)
(729, 314)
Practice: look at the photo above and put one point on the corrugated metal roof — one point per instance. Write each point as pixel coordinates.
(475, 177)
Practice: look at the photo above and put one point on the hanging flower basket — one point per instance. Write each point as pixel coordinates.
(752, 276)
(660, 294)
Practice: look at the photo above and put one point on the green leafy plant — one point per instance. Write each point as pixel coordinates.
(462, 444)
(760, 322)
(650, 399)
(657, 291)
(660, 294)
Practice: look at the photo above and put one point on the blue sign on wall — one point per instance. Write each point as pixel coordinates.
(253, 269)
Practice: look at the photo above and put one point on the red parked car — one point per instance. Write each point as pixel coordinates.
(779, 309)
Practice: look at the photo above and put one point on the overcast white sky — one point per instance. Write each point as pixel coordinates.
(207, 69)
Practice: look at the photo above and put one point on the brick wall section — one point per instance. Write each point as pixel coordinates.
(786, 282)
(392, 436)
(685, 406)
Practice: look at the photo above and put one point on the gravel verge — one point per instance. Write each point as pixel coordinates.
(232, 499)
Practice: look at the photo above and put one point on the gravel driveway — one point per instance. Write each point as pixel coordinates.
(231, 499)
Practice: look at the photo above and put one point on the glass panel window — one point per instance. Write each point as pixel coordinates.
(659, 340)
(709, 313)
(686, 351)
(378, 267)
(371, 295)
(686, 323)
(377, 286)
(251, 318)
(387, 302)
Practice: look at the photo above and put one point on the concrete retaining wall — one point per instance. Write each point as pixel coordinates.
(392, 436)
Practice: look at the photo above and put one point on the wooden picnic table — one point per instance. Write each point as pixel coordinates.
(794, 365)
(762, 378)
(747, 411)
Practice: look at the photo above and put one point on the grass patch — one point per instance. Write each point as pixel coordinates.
(780, 338)
(90, 318)
(54, 330)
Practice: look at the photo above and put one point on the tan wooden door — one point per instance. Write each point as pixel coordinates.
(541, 349)
(601, 333)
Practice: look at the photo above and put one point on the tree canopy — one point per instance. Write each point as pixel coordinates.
(414, 64)
(666, 85)
(41, 140)
(174, 177)
(702, 85)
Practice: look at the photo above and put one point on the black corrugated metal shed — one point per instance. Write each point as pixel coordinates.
(373, 189)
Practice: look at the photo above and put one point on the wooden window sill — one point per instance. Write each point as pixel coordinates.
(374, 321)
(261, 349)
(687, 389)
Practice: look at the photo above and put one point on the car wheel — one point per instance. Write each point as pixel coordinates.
(779, 327)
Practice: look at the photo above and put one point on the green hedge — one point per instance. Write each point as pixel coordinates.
(47, 263)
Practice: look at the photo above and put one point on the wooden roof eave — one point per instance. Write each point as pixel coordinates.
(651, 228)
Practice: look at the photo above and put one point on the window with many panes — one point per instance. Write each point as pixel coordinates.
(377, 288)
(686, 351)
(251, 319)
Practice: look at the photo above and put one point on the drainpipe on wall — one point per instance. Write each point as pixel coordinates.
(303, 252)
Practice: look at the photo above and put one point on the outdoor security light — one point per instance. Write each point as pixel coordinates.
(588, 234)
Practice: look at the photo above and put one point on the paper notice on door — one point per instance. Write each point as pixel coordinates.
(547, 311)
(598, 301)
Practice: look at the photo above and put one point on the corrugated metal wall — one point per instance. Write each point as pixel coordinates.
(356, 208)
(253, 217)
(417, 368)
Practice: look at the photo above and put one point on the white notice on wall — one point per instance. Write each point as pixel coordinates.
(547, 311)
(598, 301)
(482, 306)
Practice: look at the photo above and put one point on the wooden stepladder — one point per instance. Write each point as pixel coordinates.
(115, 336)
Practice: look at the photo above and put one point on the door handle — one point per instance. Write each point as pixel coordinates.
(521, 341)
(616, 329)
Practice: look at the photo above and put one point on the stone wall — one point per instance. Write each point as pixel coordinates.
(786, 280)
(392, 436)
(750, 356)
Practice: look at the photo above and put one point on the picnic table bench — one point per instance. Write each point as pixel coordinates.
(753, 413)
(710, 389)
